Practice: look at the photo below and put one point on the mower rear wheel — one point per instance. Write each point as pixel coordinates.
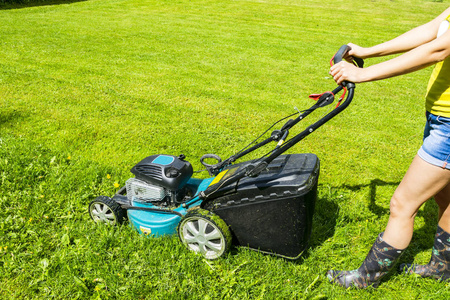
(105, 210)
(206, 233)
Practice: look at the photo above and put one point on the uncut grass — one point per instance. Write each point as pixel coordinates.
(137, 77)
(107, 83)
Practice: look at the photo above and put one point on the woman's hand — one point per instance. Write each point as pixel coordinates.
(357, 51)
(345, 71)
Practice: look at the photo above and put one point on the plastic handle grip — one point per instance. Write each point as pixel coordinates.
(343, 50)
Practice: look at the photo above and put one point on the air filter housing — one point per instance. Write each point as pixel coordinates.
(145, 192)
(167, 171)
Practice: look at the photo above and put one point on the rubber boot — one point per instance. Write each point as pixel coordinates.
(439, 266)
(379, 261)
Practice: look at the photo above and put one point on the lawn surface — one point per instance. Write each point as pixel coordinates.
(89, 88)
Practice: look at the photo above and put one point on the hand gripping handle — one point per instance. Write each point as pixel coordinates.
(342, 53)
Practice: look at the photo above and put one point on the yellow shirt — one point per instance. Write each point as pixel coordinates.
(438, 92)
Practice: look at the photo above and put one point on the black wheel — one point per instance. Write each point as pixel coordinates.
(105, 210)
(206, 233)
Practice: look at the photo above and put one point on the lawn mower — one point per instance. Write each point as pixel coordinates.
(265, 204)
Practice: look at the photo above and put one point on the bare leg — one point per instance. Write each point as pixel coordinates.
(421, 182)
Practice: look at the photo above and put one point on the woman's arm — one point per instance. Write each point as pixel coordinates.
(405, 42)
(418, 58)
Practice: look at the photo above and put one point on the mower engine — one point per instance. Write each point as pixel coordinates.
(160, 180)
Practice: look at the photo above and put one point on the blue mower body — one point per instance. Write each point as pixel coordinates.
(157, 222)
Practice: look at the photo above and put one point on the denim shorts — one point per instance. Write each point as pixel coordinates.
(436, 141)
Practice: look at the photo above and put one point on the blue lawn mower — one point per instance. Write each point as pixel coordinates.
(265, 204)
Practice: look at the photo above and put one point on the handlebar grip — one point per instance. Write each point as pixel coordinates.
(341, 53)
(343, 50)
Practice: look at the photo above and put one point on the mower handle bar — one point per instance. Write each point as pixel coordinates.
(255, 169)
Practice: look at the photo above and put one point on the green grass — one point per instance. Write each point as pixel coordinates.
(89, 88)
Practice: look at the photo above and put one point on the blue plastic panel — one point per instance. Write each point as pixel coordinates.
(163, 160)
(160, 223)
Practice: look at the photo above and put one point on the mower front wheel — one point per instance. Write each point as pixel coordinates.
(206, 233)
(105, 210)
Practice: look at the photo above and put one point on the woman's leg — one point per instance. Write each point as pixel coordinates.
(421, 182)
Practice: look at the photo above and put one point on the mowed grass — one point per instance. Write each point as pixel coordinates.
(89, 88)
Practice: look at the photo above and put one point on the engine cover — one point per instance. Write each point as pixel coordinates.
(168, 171)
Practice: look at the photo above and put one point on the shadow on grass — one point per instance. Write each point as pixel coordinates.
(373, 185)
(324, 223)
(327, 211)
(429, 212)
(423, 237)
(24, 4)
(7, 118)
